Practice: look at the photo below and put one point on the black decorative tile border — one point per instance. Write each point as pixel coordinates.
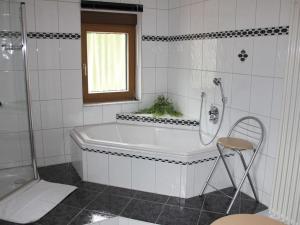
(10, 34)
(40, 35)
(47, 35)
(254, 32)
(156, 159)
(147, 119)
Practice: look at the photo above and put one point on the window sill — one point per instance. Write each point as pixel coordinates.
(110, 103)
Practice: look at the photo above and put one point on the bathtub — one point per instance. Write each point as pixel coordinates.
(154, 159)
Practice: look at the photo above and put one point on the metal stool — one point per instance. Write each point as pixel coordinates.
(246, 219)
(245, 135)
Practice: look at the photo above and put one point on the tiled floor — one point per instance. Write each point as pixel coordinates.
(94, 202)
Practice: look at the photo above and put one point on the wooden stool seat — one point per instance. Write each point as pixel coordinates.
(235, 143)
(246, 219)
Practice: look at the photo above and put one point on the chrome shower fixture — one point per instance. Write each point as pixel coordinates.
(214, 113)
(9, 47)
(217, 81)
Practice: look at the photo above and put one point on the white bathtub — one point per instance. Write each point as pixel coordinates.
(147, 158)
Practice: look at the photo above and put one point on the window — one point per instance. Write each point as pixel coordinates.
(108, 56)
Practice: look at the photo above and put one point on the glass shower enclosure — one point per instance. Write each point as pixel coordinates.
(17, 159)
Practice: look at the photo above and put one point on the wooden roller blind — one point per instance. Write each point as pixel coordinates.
(91, 17)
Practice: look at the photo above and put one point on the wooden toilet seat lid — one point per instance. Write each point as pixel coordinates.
(246, 219)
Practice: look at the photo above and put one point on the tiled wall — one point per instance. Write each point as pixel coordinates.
(55, 69)
(253, 87)
(180, 68)
(14, 138)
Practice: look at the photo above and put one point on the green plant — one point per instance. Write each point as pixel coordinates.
(162, 106)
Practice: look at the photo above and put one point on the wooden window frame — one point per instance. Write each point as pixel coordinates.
(110, 96)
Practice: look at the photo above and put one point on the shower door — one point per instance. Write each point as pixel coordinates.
(17, 164)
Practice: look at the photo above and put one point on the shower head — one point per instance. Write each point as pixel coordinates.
(217, 81)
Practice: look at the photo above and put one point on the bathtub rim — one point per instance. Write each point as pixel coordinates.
(140, 151)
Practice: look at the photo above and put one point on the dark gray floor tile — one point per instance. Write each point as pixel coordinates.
(62, 173)
(206, 218)
(80, 198)
(60, 215)
(195, 202)
(251, 206)
(2, 222)
(151, 197)
(174, 215)
(88, 217)
(92, 186)
(219, 204)
(142, 210)
(230, 191)
(108, 203)
(120, 191)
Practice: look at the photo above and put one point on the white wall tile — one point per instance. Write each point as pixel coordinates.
(163, 4)
(148, 80)
(184, 20)
(143, 175)
(211, 15)
(32, 54)
(48, 54)
(120, 171)
(149, 21)
(69, 17)
(285, 11)
(36, 115)
(110, 111)
(46, 16)
(264, 55)
(261, 95)
(72, 112)
(227, 14)
(92, 115)
(277, 98)
(245, 14)
(225, 55)
(53, 141)
(241, 89)
(167, 179)
(210, 55)
(49, 84)
(51, 114)
(70, 54)
(267, 13)
(197, 18)
(10, 151)
(71, 84)
(246, 66)
(162, 22)
(38, 144)
(97, 162)
(273, 144)
(161, 79)
(148, 54)
(149, 3)
(281, 56)
(34, 85)
(161, 54)
(196, 54)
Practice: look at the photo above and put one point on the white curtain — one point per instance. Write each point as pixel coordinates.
(107, 62)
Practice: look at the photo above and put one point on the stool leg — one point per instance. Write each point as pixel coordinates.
(226, 166)
(248, 176)
(210, 175)
(242, 182)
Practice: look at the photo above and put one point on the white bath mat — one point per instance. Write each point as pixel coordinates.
(32, 202)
